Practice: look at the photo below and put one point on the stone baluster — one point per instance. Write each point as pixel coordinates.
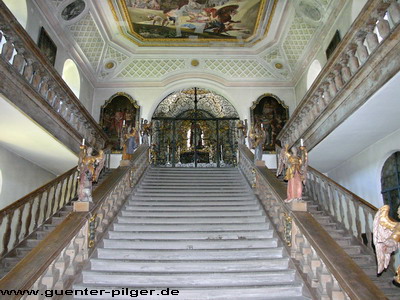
(326, 94)
(383, 25)
(19, 59)
(394, 11)
(345, 70)
(37, 79)
(362, 51)
(8, 49)
(353, 60)
(51, 94)
(338, 77)
(332, 87)
(371, 37)
(44, 87)
(1, 34)
(29, 70)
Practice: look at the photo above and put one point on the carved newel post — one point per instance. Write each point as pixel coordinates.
(89, 167)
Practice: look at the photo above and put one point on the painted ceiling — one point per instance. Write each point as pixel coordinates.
(151, 42)
(192, 22)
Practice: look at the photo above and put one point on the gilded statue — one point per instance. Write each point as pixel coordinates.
(386, 239)
(89, 167)
(257, 138)
(295, 171)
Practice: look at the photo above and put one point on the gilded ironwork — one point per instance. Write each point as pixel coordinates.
(92, 231)
(287, 229)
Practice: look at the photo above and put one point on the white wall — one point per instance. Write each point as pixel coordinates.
(19, 177)
(362, 173)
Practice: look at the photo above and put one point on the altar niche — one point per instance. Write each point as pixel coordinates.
(194, 128)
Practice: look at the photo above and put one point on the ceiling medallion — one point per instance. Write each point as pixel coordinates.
(193, 22)
(278, 66)
(194, 62)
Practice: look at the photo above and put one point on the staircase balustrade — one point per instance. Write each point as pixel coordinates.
(327, 268)
(365, 60)
(21, 218)
(21, 61)
(352, 212)
(53, 264)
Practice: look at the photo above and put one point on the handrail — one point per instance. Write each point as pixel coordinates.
(32, 210)
(316, 252)
(30, 67)
(352, 212)
(362, 62)
(72, 242)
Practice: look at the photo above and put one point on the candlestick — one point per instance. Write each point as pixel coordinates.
(83, 142)
(123, 123)
(301, 143)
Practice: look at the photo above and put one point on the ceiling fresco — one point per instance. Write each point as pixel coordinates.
(192, 22)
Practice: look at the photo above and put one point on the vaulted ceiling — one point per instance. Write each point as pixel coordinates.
(264, 42)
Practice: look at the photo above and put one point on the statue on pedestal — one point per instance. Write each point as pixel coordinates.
(296, 171)
(257, 138)
(386, 239)
(130, 143)
(146, 132)
(242, 131)
(89, 168)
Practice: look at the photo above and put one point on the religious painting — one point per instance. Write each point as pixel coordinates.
(333, 44)
(118, 115)
(271, 114)
(47, 46)
(73, 10)
(191, 21)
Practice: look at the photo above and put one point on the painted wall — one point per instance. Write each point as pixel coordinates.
(19, 177)
(362, 173)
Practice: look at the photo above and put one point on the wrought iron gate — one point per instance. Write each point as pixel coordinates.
(195, 137)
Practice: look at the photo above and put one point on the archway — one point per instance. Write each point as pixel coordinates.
(390, 183)
(194, 128)
(72, 77)
(19, 10)
(313, 71)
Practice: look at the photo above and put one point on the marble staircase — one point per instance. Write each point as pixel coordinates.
(201, 232)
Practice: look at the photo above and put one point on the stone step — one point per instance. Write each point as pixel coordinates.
(196, 235)
(223, 203)
(200, 194)
(189, 244)
(186, 214)
(199, 208)
(189, 266)
(198, 198)
(191, 185)
(193, 254)
(191, 279)
(190, 227)
(265, 292)
(193, 190)
(193, 181)
(193, 220)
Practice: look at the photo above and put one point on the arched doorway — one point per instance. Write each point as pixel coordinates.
(390, 183)
(194, 128)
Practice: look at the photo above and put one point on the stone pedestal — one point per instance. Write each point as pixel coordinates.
(260, 163)
(296, 205)
(80, 206)
(125, 163)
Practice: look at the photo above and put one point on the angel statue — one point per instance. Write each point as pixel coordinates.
(242, 131)
(146, 132)
(257, 138)
(386, 239)
(296, 171)
(89, 168)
